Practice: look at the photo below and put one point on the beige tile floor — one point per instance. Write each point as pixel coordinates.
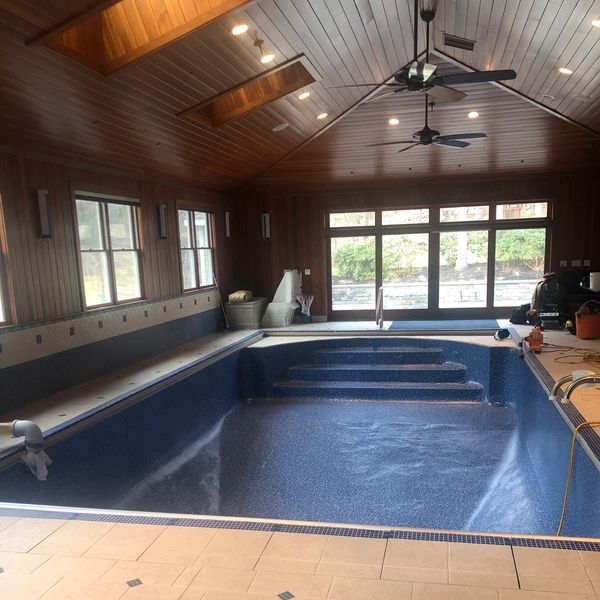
(59, 560)
(63, 560)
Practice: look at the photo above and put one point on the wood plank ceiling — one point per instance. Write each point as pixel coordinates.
(521, 138)
(55, 106)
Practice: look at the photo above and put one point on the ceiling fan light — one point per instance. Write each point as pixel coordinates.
(565, 71)
(239, 29)
(421, 71)
(267, 58)
(473, 114)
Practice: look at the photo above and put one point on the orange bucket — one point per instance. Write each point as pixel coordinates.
(588, 326)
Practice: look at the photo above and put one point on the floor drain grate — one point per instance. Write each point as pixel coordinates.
(286, 595)
(134, 582)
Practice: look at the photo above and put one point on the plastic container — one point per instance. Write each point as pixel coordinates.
(588, 326)
(246, 315)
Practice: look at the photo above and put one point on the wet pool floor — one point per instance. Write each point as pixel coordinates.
(422, 464)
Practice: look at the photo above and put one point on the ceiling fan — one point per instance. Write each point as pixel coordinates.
(418, 76)
(428, 136)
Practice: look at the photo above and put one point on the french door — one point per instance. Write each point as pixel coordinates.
(436, 262)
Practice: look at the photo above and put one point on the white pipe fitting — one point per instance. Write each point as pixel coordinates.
(34, 441)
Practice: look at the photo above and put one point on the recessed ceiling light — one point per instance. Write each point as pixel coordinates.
(266, 58)
(596, 22)
(304, 95)
(582, 98)
(393, 121)
(473, 114)
(565, 71)
(549, 97)
(281, 127)
(239, 29)
(322, 116)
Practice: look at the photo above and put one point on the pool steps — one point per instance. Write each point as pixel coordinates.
(380, 355)
(379, 373)
(447, 372)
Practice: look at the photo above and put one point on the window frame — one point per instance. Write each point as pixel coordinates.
(103, 200)
(5, 289)
(195, 248)
(434, 228)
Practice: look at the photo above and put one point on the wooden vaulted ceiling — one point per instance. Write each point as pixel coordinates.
(131, 118)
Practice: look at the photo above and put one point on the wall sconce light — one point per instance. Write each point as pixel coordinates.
(162, 221)
(227, 228)
(43, 213)
(265, 219)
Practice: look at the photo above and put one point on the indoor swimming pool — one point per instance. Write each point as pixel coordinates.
(405, 432)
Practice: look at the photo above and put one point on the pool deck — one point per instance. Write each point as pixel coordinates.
(68, 558)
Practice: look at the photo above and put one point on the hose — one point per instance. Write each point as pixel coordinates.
(570, 471)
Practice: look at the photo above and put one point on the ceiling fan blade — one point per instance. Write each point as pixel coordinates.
(380, 97)
(390, 143)
(476, 77)
(409, 147)
(337, 87)
(462, 136)
(447, 94)
(452, 143)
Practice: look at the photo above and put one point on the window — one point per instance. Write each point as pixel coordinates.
(110, 253)
(405, 270)
(352, 219)
(2, 315)
(405, 217)
(353, 273)
(519, 264)
(196, 244)
(454, 214)
(463, 269)
(524, 210)
(437, 260)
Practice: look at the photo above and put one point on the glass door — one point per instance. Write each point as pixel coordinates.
(353, 273)
(463, 269)
(405, 271)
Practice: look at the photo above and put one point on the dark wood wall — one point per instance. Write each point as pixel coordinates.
(43, 277)
(298, 220)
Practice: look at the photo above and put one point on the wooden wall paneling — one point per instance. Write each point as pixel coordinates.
(58, 253)
(21, 279)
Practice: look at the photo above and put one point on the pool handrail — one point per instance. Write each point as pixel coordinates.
(379, 308)
(586, 379)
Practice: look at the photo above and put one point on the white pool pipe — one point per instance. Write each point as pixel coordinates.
(574, 376)
(35, 457)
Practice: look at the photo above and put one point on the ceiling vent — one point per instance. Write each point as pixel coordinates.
(458, 42)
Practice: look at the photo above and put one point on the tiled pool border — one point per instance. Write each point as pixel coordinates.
(569, 411)
(308, 529)
(141, 391)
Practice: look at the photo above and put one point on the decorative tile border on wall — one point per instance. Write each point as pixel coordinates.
(309, 529)
(23, 344)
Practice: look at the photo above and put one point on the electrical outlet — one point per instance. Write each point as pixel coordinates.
(587, 262)
(563, 264)
(307, 271)
(576, 263)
